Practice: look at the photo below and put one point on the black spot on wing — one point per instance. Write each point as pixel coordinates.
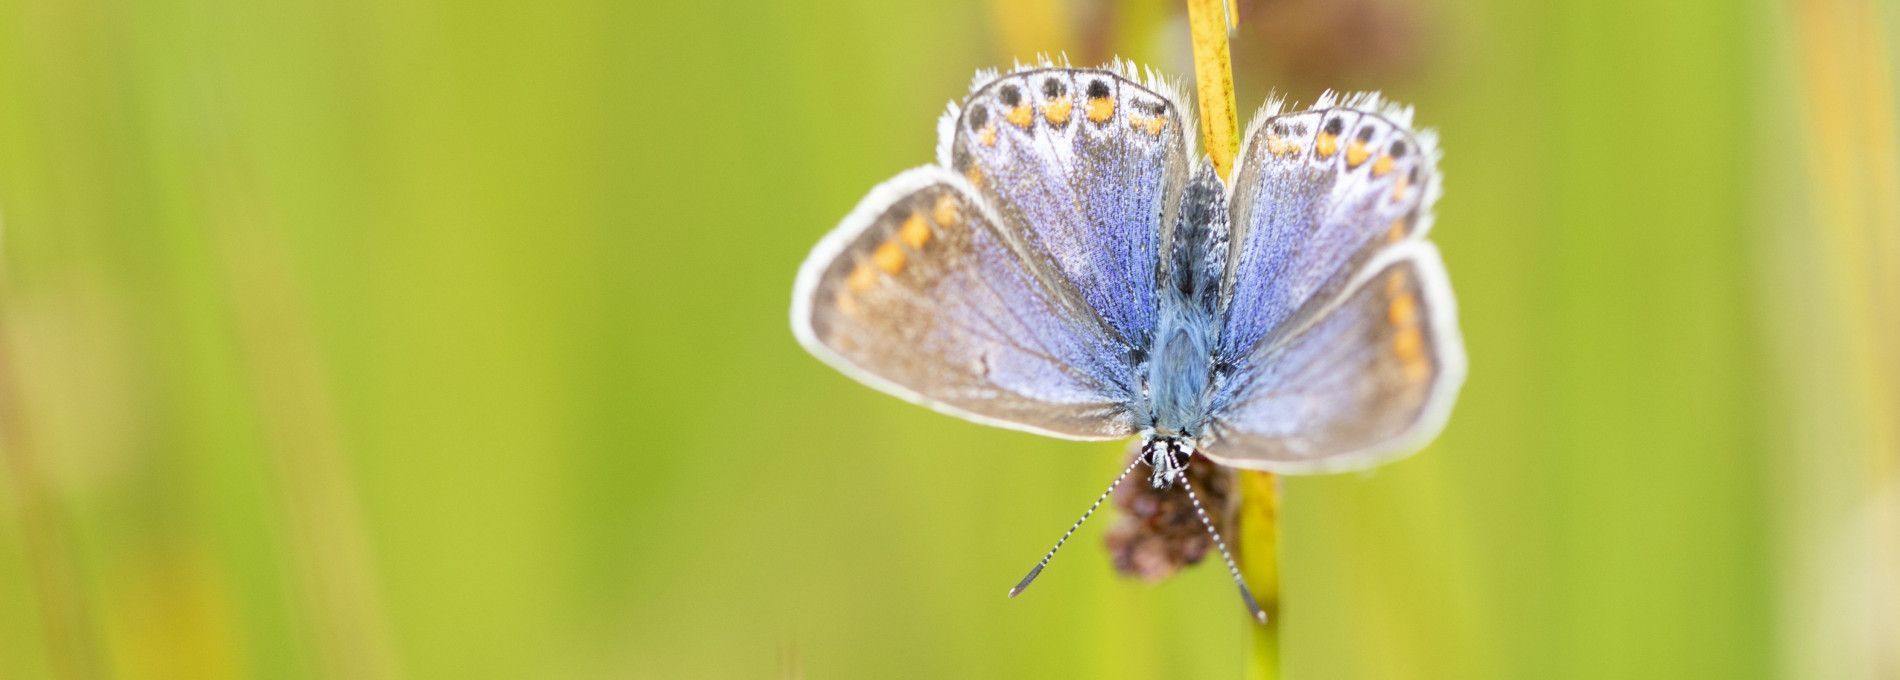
(1010, 95)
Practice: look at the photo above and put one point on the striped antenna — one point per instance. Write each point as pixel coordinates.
(1078, 524)
(1245, 594)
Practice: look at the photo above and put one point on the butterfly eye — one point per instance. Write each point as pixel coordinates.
(1053, 88)
(1010, 95)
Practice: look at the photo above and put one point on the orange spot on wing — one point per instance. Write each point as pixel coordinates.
(1101, 109)
(861, 278)
(1395, 284)
(888, 257)
(1397, 231)
(1403, 311)
(1409, 345)
(1022, 115)
(945, 211)
(1398, 188)
(974, 174)
(1356, 153)
(846, 303)
(1326, 145)
(915, 232)
(1382, 166)
(1058, 110)
(1141, 123)
(987, 135)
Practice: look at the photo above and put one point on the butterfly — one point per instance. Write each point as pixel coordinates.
(1071, 267)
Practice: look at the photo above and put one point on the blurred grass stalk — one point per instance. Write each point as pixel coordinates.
(128, 578)
(1839, 334)
(72, 648)
(1259, 529)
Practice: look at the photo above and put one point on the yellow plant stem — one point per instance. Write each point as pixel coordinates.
(1214, 81)
(1259, 544)
(1259, 526)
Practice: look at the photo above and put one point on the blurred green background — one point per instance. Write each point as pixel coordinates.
(360, 339)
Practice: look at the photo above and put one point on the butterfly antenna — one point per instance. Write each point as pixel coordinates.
(1245, 594)
(1078, 524)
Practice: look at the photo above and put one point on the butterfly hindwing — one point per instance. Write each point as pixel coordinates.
(920, 292)
(1370, 377)
(1085, 167)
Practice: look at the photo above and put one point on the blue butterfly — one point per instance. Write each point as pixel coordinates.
(1071, 267)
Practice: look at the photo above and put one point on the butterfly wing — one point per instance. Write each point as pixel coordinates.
(1372, 377)
(1030, 309)
(1339, 335)
(1316, 194)
(922, 293)
(1085, 167)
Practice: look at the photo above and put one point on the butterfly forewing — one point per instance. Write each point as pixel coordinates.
(1317, 193)
(1339, 340)
(920, 293)
(1371, 377)
(1085, 167)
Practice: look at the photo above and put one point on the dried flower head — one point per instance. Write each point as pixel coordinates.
(1158, 533)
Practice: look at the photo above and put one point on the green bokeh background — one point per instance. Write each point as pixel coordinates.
(347, 338)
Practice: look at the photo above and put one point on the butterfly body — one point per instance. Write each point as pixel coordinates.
(1071, 267)
(1181, 362)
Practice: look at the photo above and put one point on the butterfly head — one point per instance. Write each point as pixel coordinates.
(1167, 457)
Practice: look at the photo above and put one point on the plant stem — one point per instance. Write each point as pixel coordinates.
(1214, 81)
(1259, 543)
(1259, 540)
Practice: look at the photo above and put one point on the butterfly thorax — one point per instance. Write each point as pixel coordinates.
(1179, 371)
(1181, 361)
